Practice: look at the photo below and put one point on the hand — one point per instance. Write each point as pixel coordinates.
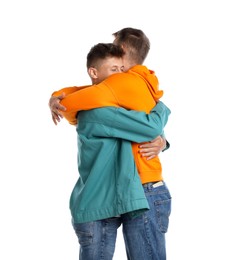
(153, 148)
(55, 107)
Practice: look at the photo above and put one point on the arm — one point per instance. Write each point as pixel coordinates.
(140, 127)
(95, 96)
(92, 97)
(57, 109)
(126, 124)
(67, 91)
(79, 98)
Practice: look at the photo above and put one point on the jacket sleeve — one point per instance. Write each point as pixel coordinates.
(89, 98)
(140, 127)
(133, 125)
(71, 117)
(66, 91)
(69, 90)
(84, 98)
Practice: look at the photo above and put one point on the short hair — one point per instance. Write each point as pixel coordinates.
(135, 41)
(102, 51)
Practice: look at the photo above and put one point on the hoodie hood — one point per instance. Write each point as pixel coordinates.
(151, 79)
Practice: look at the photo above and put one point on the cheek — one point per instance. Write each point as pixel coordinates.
(104, 75)
(108, 73)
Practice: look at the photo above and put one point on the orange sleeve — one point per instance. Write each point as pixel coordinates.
(88, 98)
(71, 117)
(68, 90)
(107, 93)
(84, 98)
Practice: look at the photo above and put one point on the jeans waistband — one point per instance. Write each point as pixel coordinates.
(153, 184)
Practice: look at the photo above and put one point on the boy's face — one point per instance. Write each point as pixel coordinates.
(107, 67)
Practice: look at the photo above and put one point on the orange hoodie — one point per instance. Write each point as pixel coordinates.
(137, 89)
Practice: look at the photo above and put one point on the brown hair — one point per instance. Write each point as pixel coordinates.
(102, 51)
(135, 41)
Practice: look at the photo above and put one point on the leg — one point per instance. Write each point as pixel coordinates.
(145, 235)
(97, 239)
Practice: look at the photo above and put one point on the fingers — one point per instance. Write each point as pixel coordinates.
(54, 103)
(155, 150)
(151, 157)
(56, 118)
(61, 96)
(148, 145)
(149, 152)
(152, 149)
(56, 107)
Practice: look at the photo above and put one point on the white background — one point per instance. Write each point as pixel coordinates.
(43, 48)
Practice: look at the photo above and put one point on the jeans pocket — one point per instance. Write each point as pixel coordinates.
(84, 233)
(163, 209)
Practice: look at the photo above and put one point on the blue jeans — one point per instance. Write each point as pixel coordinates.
(144, 235)
(97, 239)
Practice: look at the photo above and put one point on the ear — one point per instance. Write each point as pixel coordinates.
(93, 73)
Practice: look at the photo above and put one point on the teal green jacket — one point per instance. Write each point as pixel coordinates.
(109, 184)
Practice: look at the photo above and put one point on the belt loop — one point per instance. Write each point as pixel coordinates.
(148, 186)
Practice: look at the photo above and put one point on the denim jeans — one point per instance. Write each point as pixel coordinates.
(144, 236)
(97, 239)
